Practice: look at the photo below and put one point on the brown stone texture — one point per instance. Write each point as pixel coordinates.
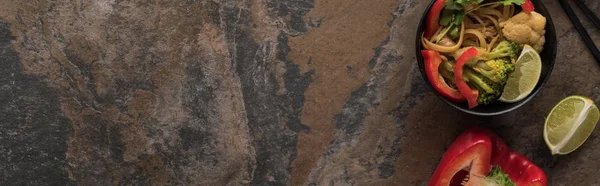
(248, 92)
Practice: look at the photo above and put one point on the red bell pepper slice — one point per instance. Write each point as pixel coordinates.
(432, 64)
(464, 89)
(472, 148)
(433, 18)
(520, 170)
(528, 6)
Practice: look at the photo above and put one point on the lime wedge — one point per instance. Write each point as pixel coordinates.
(526, 75)
(570, 123)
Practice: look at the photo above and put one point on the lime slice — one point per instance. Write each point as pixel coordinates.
(526, 75)
(570, 123)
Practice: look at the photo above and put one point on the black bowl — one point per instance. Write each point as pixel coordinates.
(548, 56)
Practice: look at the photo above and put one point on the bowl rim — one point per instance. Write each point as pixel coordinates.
(534, 93)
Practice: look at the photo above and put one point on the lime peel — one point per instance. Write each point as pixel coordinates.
(523, 80)
(582, 116)
(573, 129)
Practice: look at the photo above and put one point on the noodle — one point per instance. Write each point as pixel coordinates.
(423, 42)
(492, 43)
(493, 20)
(471, 37)
(476, 18)
(468, 43)
(480, 36)
(432, 46)
(472, 25)
(490, 11)
(468, 21)
(505, 13)
(436, 35)
(444, 58)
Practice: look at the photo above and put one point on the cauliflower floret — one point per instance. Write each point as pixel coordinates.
(539, 45)
(526, 28)
(520, 33)
(534, 20)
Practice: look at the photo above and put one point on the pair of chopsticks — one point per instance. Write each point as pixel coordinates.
(582, 32)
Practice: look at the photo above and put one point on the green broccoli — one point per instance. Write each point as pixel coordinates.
(447, 71)
(505, 49)
(489, 91)
(448, 66)
(496, 70)
(497, 177)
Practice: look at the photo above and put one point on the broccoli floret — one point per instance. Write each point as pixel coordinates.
(505, 49)
(496, 70)
(448, 66)
(489, 91)
(447, 71)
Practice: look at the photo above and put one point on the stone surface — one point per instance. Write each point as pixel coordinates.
(248, 92)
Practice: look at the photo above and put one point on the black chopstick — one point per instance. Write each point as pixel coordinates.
(588, 12)
(584, 35)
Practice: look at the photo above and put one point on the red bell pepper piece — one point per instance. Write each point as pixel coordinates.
(499, 148)
(432, 64)
(528, 6)
(472, 148)
(433, 18)
(464, 89)
(520, 170)
(523, 171)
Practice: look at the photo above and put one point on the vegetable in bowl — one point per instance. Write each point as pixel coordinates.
(488, 36)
